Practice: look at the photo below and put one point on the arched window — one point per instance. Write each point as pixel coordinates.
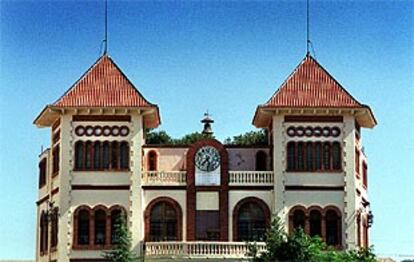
(106, 155)
(152, 161)
(97, 161)
(318, 156)
(309, 156)
(79, 155)
(261, 162)
(100, 227)
(163, 222)
(83, 227)
(42, 172)
(88, 156)
(291, 156)
(300, 156)
(124, 148)
(251, 223)
(332, 227)
(336, 156)
(315, 220)
(115, 155)
(43, 233)
(326, 156)
(54, 227)
(115, 218)
(299, 219)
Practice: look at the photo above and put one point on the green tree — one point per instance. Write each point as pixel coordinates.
(190, 138)
(248, 139)
(298, 247)
(157, 137)
(121, 252)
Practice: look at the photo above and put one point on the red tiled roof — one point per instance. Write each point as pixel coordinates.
(103, 85)
(310, 85)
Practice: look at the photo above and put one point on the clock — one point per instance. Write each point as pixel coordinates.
(207, 159)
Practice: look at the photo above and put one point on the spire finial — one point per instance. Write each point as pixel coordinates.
(307, 28)
(106, 28)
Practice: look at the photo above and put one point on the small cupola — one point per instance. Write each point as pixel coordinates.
(207, 121)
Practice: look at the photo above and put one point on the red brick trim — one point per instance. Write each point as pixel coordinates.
(108, 230)
(100, 187)
(55, 191)
(314, 188)
(106, 118)
(301, 118)
(258, 202)
(178, 210)
(161, 187)
(164, 146)
(56, 124)
(322, 211)
(251, 188)
(42, 200)
(222, 189)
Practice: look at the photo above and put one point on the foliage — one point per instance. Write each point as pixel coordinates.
(248, 139)
(298, 246)
(121, 252)
(162, 138)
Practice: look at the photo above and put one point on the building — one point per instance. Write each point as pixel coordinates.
(206, 199)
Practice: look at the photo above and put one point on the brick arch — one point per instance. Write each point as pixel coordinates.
(75, 226)
(292, 211)
(222, 189)
(174, 204)
(339, 222)
(316, 208)
(246, 200)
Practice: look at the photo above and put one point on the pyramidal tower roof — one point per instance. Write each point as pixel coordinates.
(103, 85)
(310, 86)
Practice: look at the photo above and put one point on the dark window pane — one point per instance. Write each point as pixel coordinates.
(152, 161)
(326, 156)
(88, 156)
(332, 228)
(315, 223)
(79, 155)
(318, 156)
(261, 161)
(251, 223)
(115, 216)
(299, 219)
(309, 156)
(336, 156)
(115, 155)
(105, 153)
(100, 227)
(97, 162)
(300, 158)
(291, 156)
(83, 227)
(124, 148)
(163, 222)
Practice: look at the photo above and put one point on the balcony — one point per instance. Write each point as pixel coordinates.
(251, 178)
(236, 178)
(164, 178)
(200, 250)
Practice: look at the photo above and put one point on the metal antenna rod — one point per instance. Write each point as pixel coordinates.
(307, 27)
(106, 27)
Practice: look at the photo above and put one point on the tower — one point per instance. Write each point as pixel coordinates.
(320, 168)
(92, 172)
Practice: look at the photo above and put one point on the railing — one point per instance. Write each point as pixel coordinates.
(164, 177)
(248, 178)
(199, 249)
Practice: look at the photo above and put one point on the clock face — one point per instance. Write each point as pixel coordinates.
(207, 159)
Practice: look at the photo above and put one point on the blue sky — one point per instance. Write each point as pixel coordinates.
(226, 57)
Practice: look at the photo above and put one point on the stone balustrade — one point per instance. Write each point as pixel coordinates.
(236, 178)
(199, 249)
(249, 178)
(164, 178)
